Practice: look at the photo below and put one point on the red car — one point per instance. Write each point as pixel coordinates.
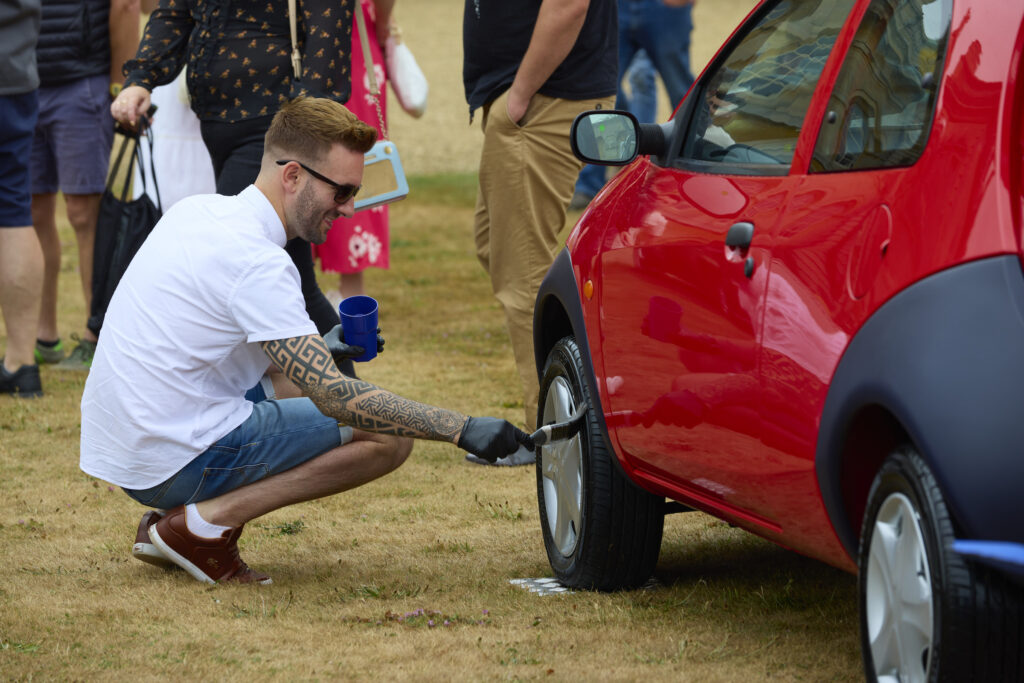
(800, 308)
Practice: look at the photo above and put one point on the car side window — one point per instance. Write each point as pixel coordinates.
(754, 102)
(881, 108)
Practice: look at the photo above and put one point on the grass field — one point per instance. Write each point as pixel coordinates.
(407, 577)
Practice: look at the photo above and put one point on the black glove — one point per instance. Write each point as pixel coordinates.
(340, 350)
(490, 438)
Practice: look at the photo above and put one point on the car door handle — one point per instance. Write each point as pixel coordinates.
(740, 236)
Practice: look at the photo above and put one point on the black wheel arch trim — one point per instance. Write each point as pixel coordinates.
(559, 289)
(945, 357)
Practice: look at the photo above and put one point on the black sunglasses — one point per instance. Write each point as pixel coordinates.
(342, 193)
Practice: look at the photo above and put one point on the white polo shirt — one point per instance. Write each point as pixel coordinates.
(179, 346)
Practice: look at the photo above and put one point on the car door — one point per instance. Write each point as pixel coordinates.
(681, 360)
(853, 212)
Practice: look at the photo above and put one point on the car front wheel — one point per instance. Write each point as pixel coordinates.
(600, 530)
(926, 614)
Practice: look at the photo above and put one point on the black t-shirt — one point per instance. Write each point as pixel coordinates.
(496, 34)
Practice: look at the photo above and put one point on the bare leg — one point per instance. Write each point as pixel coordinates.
(283, 387)
(21, 279)
(83, 210)
(44, 218)
(351, 284)
(368, 457)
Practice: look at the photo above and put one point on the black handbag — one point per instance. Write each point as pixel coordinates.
(123, 224)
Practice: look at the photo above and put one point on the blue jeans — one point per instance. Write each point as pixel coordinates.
(278, 436)
(642, 101)
(663, 34)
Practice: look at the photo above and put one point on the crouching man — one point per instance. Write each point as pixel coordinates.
(178, 410)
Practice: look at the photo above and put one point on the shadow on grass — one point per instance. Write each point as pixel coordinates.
(758, 588)
(739, 556)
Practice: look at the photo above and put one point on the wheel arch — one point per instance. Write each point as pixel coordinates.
(558, 312)
(871, 433)
(941, 366)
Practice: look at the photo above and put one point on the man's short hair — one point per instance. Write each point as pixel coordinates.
(307, 127)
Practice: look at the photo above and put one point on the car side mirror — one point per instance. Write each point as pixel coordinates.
(613, 138)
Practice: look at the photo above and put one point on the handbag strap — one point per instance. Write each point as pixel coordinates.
(136, 154)
(152, 170)
(129, 175)
(116, 166)
(296, 57)
(371, 74)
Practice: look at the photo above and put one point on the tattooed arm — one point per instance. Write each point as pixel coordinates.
(307, 362)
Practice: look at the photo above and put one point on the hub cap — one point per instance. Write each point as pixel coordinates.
(562, 471)
(899, 594)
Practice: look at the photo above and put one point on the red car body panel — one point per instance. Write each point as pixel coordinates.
(732, 427)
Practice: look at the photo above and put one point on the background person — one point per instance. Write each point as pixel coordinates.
(180, 161)
(240, 72)
(21, 260)
(533, 67)
(660, 30)
(361, 242)
(208, 303)
(82, 46)
(642, 98)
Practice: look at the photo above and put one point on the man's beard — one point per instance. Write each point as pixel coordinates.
(308, 216)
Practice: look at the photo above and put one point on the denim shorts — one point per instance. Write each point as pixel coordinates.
(17, 121)
(279, 435)
(71, 150)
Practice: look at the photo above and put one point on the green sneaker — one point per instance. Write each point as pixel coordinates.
(49, 354)
(80, 358)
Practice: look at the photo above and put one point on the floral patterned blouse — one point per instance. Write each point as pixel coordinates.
(238, 53)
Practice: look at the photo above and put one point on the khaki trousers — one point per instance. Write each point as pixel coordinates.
(527, 176)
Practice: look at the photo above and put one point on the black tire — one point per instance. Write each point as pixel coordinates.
(618, 538)
(976, 614)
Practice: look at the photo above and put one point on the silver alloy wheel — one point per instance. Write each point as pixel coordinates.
(899, 594)
(562, 469)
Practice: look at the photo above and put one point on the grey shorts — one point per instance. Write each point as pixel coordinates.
(74, 133)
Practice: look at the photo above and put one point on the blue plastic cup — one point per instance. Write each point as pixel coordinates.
(359, 322)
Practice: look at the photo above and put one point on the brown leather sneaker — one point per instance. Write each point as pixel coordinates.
(143, 549)
(209, 560)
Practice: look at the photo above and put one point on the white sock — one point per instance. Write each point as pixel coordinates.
(199, 526)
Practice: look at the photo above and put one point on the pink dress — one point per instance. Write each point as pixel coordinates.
(354, 244)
